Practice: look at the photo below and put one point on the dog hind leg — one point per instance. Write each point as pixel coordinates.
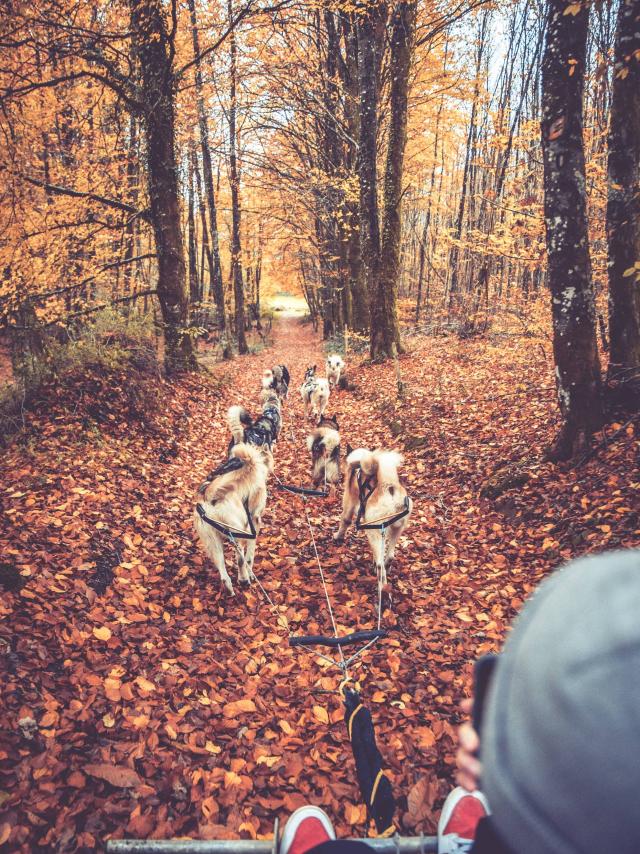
(348, 509)
(377, 543)
(392, 540)
(248, 574)
(215, 552)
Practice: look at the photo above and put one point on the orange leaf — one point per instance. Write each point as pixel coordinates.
(425, 737)
(321, 714)
(238, 707)
(355, 813)
(102, 633)
(76, 779)
(420, 800)
(117, 775)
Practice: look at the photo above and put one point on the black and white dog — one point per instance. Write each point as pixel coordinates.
(278, 379)
(263, 431)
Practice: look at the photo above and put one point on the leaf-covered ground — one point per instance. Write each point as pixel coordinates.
(139, 700)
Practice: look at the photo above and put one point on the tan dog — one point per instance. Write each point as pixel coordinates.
(324, 444)
(234, 491)
(380, 469)
(335, 366)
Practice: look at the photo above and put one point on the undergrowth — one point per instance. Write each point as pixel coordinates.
(105, 370)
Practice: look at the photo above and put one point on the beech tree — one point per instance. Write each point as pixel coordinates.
(154, 52)
(565, 208)
(623, 208)
(385, 332)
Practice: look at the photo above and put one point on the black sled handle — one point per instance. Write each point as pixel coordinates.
(303, 490)
(325, 640)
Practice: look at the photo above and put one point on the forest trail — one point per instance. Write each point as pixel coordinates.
(161, 706)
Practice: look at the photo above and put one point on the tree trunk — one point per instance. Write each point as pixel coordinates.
(574, 328)
(454, 259)
(216, 283)
(236, 263)
(357, 284)
(623, 209)
(194, 284)
(385, 332)
(132, 199)
(366, 161)
(154, 52)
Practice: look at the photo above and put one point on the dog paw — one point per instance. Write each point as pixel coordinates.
(229, 586)
(338, 537)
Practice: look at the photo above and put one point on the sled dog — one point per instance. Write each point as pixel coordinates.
(233, 494)
(315, 393)
(263, 431)
(335, 366)
(324, 445)
(376, 470)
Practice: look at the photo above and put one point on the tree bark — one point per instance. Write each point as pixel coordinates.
(157, 83)
(367, 151)
(454, 259)
(213, 254)
(132, 199)
(236, 261)
(572, 300)
(194, 283)
(357, 285)
(385, 331)
(623, 209)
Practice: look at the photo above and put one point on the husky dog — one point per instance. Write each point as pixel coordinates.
(232, 494)
(324, 444)
(335, 366)
(263, 431)
(380, 469)
(315, 393)
(276, 378)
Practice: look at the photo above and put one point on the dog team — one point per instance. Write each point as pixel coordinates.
(232, 499)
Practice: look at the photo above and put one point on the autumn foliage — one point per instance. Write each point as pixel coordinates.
(139, 700)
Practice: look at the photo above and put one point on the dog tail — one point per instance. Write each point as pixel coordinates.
(386, 465)
(383, 465)
(322, 388)
(355, 461)
(238, 418)
(249, 454)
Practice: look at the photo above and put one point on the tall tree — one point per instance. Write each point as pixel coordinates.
(368, 21)
(623, 207)
(565, 207)
(213, 253)
(385, 332)
(154, 49)
(236, 260)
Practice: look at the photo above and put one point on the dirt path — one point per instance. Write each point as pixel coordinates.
(140, 700)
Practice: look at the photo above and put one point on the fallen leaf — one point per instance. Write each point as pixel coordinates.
(321, 714)
(238, 707)
(103, 633)
(117, 775)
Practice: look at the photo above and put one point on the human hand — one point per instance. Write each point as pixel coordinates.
(469, 766)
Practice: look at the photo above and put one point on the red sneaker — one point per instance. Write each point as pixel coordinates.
(307, 827)
(459, 819)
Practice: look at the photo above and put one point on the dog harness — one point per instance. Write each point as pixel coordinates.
(365, 491)
(228, 531)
